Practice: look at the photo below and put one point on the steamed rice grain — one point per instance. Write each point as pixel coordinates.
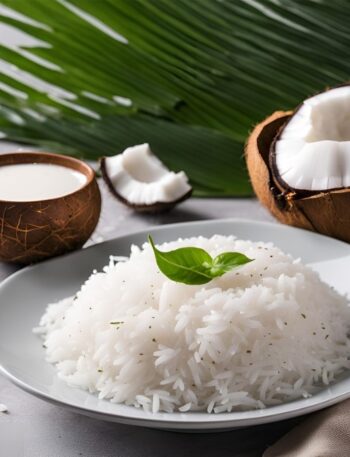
(268, 332)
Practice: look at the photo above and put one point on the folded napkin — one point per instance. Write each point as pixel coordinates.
(323, 434)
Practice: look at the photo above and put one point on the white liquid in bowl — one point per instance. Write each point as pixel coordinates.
(38, 181)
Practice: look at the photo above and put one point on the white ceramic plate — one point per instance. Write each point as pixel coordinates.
(24, 295)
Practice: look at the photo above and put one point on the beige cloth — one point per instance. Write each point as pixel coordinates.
(324, 434)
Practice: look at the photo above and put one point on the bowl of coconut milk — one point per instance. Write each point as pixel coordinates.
(49, 204)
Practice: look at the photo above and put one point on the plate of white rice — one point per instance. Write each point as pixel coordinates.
(105, 333)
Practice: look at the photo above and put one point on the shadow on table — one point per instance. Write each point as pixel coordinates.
(117, 440)
(176, 215)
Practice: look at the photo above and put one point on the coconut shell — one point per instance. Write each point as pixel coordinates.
(154, 208)
(324, 212)
(37, 230)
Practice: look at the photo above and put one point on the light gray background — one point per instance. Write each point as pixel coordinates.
(33, 428)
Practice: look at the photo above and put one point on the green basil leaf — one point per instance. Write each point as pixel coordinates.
(227, 261)
(194, 266)
(187, 265)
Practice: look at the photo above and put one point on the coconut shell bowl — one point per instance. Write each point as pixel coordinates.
(36, 230)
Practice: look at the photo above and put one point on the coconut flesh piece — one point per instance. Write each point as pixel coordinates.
(140, 178)
(312, 151)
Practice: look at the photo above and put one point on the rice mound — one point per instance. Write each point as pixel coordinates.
(265, 333)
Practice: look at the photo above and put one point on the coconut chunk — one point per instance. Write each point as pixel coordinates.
(137, 177)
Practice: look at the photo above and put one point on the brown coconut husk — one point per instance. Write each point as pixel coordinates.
(36, 230)
(324, 212)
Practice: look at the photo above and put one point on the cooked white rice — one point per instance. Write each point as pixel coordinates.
(262, 334)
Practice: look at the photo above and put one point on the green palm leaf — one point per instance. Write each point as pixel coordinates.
(190, 78)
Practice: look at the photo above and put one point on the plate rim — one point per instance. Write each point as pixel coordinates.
(228, 423)
(222, 421)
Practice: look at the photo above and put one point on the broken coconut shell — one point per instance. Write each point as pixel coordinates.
(157, 207)
(137, 178)
(325, 212)
(154, 208)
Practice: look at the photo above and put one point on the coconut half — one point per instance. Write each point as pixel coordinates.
(312, 151)
(299, 163)
(140, 180)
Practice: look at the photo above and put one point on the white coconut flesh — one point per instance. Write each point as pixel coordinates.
(313, 150)
(139, 177)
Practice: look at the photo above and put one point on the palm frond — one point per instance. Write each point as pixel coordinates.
(190, 78)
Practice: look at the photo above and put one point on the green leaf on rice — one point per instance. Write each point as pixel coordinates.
(194, 266)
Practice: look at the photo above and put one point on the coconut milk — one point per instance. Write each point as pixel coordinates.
(38, 181)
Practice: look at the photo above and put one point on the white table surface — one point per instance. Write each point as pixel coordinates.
(33, 428)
